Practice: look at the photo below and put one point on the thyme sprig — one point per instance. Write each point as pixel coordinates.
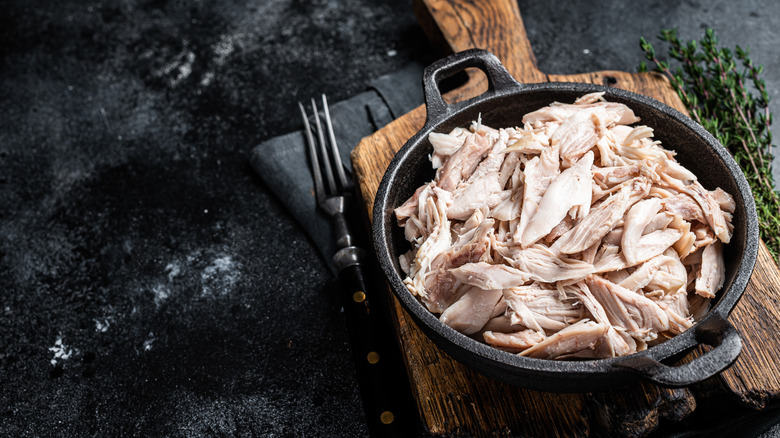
(714, 84)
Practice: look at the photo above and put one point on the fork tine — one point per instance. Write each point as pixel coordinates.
(315, 164)
(324, 150)
(333, 146)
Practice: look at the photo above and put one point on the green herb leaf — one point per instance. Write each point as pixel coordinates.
(713, 84)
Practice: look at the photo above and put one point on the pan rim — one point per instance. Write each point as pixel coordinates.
(382, 215)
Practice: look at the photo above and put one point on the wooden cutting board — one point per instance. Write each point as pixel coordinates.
(452, 399)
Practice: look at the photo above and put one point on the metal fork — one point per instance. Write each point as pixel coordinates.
(333, 199)
(333, 195)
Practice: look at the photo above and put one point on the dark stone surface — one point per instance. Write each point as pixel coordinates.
(149, 283)
(136, 240)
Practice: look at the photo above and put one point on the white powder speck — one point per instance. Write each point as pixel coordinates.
(181, 66)
(173, 269)
(185, 69)
(392, 53)
(223, 48)
(161, 293)
(208, 77)
(586, 51)
(220, 276)
(169, 67)
(221, 264)
(60, 350)
(102, 326)
(148, 343)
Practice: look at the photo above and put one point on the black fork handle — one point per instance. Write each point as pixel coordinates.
(379, 392)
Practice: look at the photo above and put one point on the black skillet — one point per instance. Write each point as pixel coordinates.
(504, 104)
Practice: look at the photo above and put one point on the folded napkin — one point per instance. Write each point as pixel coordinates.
(282, 162)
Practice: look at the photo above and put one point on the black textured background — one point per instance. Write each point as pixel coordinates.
(149, 283)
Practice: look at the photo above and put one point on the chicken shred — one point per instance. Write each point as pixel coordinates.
(574, 235)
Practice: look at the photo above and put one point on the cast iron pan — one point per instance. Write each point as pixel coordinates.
(504, 104)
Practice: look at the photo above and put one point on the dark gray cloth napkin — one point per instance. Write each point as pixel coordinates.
(282, 162)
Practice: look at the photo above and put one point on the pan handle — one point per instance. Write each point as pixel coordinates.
(717, 332)
(498, 78)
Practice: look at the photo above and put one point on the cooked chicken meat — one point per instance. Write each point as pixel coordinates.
(570, 191)
(472, 311)
(514, 342)
(575, 235)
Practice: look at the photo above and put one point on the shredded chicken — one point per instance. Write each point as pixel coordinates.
(574, 235)
(514, 342)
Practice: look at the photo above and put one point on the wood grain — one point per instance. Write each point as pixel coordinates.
(755, 376)
(452, 399)
(491, 25)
